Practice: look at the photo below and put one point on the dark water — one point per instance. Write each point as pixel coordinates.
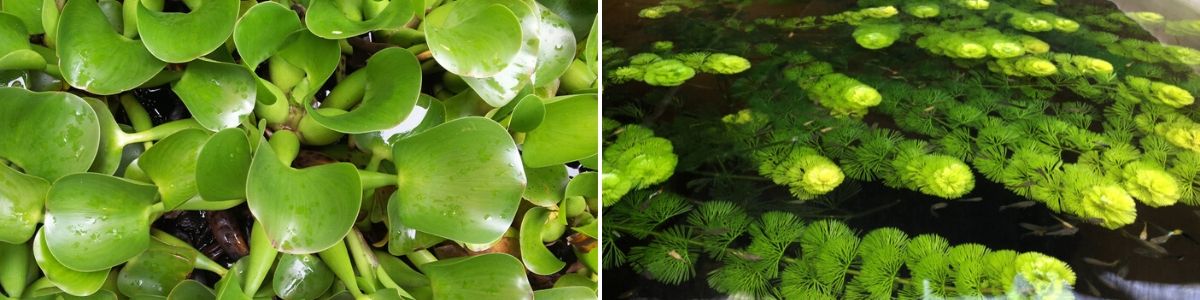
(960, 222)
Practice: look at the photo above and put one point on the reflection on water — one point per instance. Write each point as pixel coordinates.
(1143, 260)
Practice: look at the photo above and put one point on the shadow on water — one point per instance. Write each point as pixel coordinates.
(1097, 255)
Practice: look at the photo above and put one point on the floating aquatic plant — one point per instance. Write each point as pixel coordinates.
(1070, 106)
(380, 149)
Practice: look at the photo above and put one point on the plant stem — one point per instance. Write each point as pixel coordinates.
(338, 260)
(158, 132)
(262, 256)
(138, 117)
(372, 180)
(421, 257)
(364, 260)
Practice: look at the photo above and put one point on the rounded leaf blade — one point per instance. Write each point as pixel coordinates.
(70, 281)
(95, 58)
(21, 198)
(538, 259)
(171, 164)
(222, 165)
(218, 95)
(59, 132)
(392, 89)
(488, 276)
(302, 210)
(181, 37)
(262, 30)
(461, 180)
(568, 133)
(326, 19)
(88, 213)
(476, 38)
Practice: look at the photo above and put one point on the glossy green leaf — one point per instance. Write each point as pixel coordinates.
(591, 51)
(191, 290)
(58, 132)
(393, 85)
(568, 133)
(556, 47)
(585, 184)
(473, 38)
(546, 185)
(500, 88)
(222, 165)
(95, 58)
(326, 18)
(17, 262)
(171, 164)
(538, 259)
(575, 279)
(565, 293)
(229, 287)
(461, 180)
(88, 213)
(70, 281)
(21, 200)
(264, 29)
(317, 57)
(488, 276)
(218, 95)
(528, 114)
(156, 271)
(15, 52)
(403, 239)
(29, 11)
(181, 37)
(301, 276)
(302, 210)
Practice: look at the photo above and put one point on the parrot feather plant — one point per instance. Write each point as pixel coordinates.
(336, 149)
(1069, 105)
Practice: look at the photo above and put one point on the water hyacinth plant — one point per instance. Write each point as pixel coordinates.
(329, 149)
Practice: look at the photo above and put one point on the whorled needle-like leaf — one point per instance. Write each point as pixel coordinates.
(95, 58)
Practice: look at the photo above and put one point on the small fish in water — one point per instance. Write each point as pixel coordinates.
(933, 209)
(1101, 263)
(1022, 204)
(972, 199)
(1163, 238)
(1066, 228)
(1147, 248)
(1033, 229)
